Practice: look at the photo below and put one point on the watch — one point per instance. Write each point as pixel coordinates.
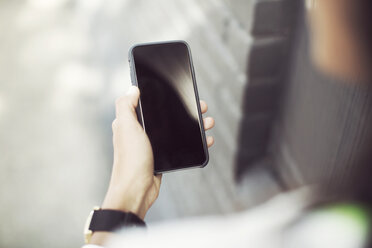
(108, 220)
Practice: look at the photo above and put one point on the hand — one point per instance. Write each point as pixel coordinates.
(133, 186)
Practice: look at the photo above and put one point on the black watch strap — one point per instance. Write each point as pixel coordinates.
(109, 220)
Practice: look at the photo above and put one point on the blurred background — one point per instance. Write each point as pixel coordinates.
(62, 65)
(64, 62)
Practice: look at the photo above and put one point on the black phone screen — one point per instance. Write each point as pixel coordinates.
(169, 105)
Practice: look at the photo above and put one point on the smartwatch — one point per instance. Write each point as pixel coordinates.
(108, 220)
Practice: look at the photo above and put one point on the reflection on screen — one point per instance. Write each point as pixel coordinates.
(168, 104)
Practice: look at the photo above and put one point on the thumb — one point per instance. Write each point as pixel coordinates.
(127, 104)
(133, 95)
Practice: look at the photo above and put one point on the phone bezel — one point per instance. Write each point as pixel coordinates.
(133, 75)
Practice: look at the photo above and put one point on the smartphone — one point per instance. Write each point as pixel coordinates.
(169, 108)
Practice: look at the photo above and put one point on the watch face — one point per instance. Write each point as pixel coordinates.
(88, 233)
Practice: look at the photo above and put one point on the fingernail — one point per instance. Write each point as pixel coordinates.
(131, 90)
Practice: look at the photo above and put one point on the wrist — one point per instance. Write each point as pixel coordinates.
(118, 199)
(101, 223)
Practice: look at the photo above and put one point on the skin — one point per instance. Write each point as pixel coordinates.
(133, 186)
(336, 46)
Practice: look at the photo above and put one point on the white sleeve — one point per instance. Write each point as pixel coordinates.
(260, 227)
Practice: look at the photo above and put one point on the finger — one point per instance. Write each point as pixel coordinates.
(208, 123)
(133, 94)
(210, 141)
(203, 106)
(126, 105)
